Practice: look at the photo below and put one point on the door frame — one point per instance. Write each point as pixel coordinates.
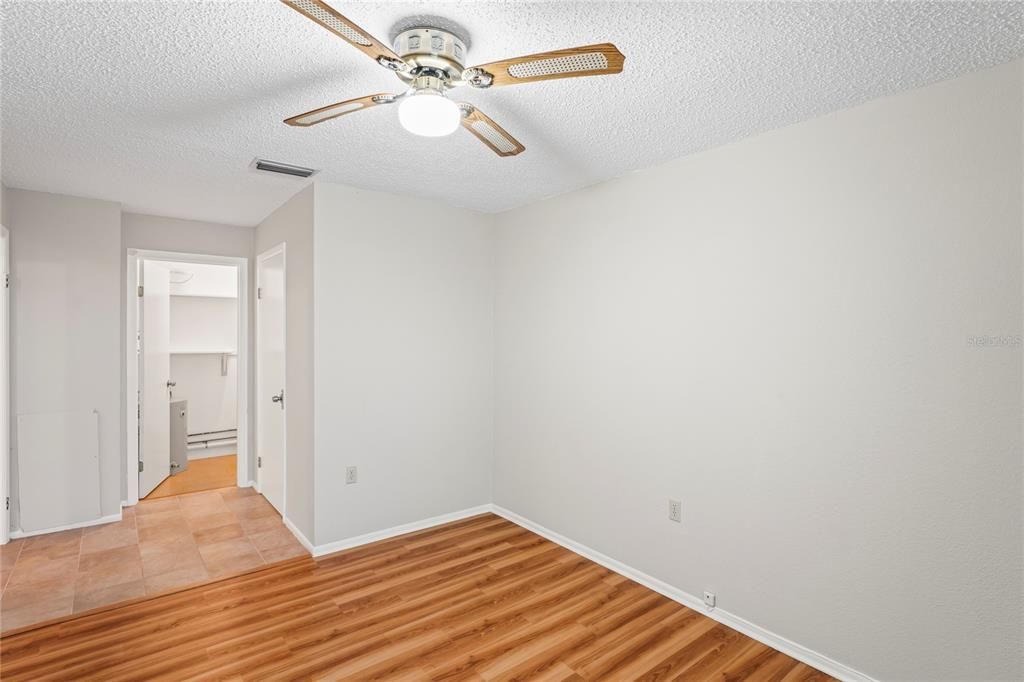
(260, 406)
(5, 386)
(130, 474)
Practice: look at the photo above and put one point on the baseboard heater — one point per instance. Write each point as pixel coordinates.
(212, 439)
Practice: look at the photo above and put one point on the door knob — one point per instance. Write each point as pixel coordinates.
(171, 384)
(279, 398)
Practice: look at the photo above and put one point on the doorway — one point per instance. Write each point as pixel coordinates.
(271, 403)
(187, 343)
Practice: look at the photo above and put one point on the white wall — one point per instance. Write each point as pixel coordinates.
(199, 325)
(404, 360)
(778, 333)
(292, 224)
(65, 313)
(186, 236)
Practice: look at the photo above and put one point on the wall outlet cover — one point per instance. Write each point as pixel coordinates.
(709, 599)
(675, 511)
(351, 475)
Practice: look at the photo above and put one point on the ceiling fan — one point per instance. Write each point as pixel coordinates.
(430, 62)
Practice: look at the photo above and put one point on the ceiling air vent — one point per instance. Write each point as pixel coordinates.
(282, 168)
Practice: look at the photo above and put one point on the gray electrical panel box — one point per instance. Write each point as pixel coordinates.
(179, 436)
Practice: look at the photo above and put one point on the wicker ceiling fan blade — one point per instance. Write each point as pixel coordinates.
(349, 106)
(333, 21)
(587, 60)
(489, 132)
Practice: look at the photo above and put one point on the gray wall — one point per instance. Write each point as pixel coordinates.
(292, 224)
(65, 315)
(779, 333)
(404, 360)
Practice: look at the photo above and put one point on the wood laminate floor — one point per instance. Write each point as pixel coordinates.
(478, 599)
(208, 473)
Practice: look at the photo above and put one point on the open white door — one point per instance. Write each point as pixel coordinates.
(5, 383)
(154, 375)
(270, 376)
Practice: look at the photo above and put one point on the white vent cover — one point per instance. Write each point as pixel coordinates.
(331, 112)
(316, 11)
(494, 137)
(588, 61)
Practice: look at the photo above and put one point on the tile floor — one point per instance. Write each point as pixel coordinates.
(159, 545)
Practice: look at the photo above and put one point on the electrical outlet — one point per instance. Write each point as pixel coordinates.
(709, 599)
(351, 475)
(675, 511)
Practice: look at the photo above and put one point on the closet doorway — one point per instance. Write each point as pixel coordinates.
(187, 359)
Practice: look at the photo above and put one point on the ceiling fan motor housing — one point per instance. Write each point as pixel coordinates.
(431, 51)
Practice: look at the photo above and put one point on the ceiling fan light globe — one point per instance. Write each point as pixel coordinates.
(429, 114)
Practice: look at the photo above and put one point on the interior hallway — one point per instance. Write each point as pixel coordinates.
(159, 545)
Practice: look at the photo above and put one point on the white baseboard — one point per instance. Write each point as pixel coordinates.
(394, 531)
(215, 451)
(777, 642)
(15, 534)
(299, 535)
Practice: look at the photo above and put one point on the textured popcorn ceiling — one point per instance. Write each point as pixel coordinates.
(162, 106)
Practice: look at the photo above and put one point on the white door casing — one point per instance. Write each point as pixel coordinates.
(271, 397)
(154, 375)
(5, 383)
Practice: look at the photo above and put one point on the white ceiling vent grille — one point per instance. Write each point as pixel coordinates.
(588, 61)
(494, 137)
(332, 22)
(282, 168)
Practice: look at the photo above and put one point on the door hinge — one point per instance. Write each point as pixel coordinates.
(141, 290)
(259, 462)
(7, 503)
(142, 466)
(259, 292)
(7, 281)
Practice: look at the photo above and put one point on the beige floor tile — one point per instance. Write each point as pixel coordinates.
(41, 569)
(207, 499)
(34, 602)
(180, 577)
(165, 557)
(110, 537)
(37, 613)
(172, 527)
(24, 595)
(158, 546)
(127, 521)
(108, 567)
(230, 556)
(9, 553)
(103, 596)
(158, 518)
(269, 539)
(282, 552)
(251, 507)
(198, 522)
(58, 545)
(234, 493)
(158, 506)
(208, 536)
(260, 524)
